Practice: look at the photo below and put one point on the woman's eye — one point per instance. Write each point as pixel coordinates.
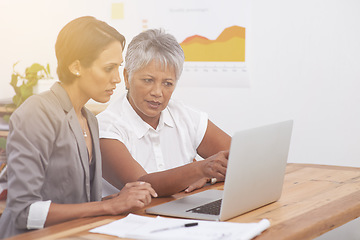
(147, 80)
(169, 84)
(109, 69)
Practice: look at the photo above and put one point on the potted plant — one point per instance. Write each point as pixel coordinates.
(24, 84)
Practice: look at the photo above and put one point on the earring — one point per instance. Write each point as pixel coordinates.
(77, 74)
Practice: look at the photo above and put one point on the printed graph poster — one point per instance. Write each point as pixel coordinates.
(213, 34)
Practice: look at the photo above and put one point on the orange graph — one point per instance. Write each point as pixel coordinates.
(229, 46)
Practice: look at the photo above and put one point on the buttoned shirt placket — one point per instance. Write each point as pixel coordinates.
(155, 139)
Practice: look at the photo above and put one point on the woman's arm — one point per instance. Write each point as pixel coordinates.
(120, 167)
(133, 196)
(214, 141)
(32, 175)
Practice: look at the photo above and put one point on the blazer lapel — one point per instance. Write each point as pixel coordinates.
(94, 131)
(83, 153)
(75, 127)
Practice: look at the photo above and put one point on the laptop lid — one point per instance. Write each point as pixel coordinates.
(254, 177)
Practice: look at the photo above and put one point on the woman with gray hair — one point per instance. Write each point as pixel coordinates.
(147, 136)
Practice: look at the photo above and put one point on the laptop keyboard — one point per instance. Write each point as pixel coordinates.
(212, 208)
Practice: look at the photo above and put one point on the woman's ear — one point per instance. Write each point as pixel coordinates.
(75, 68)
(126, 79)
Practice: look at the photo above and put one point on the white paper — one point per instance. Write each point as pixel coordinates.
(123, 227)
(140, 227)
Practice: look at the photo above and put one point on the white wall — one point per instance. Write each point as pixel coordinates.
(304, 65)
(28, 31)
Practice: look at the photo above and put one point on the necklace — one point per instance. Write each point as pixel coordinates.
(84, 132)
(84, 127)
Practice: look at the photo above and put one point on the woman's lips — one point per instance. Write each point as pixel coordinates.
(110, 92)
(153, 104)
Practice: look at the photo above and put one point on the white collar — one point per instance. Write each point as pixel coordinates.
(140, 126)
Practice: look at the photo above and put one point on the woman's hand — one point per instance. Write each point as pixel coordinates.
(196, 185)
(132, 196)
(215, 166)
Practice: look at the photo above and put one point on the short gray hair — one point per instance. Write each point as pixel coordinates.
(154, 44)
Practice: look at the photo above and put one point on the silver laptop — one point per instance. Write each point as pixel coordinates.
(254, 177)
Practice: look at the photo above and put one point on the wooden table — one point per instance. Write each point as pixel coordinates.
(315, 199)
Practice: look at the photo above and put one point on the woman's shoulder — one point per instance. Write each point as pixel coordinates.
(115, 106)
(35, 118)
(186, 116)
(113, 113)
(36, 103)
(113, 119)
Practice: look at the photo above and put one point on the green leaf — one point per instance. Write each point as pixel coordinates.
(26, 91)
(14, 80)
(48, 70)
(17, 100)
(31, 83)
(2, 143)
(32, 74)
(15, 64)
(35, 68)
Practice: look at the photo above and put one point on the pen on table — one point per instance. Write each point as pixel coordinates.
(169, 228)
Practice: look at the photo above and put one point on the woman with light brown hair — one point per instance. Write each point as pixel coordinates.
(53, 152)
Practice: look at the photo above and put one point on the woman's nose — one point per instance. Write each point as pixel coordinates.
(156, 90)
(116, 77)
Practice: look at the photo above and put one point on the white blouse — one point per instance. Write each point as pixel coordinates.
(172, 144)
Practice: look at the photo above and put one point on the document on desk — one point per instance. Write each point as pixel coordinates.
(141, 227)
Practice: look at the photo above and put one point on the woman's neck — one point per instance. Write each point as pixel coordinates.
(152, 121)
(77, 98)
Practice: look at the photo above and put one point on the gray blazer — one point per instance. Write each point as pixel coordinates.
(47, 158)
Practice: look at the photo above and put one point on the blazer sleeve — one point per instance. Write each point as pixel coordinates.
(29, 146)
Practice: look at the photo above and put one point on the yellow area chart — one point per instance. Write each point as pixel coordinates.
(229, 46)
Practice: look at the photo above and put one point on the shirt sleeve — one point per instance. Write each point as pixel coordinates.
(37, 214)
(111, 126)
(201, 128)
(190, 119)
(197, 121)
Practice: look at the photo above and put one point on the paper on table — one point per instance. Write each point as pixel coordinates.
(122, 227)
(139, 227)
